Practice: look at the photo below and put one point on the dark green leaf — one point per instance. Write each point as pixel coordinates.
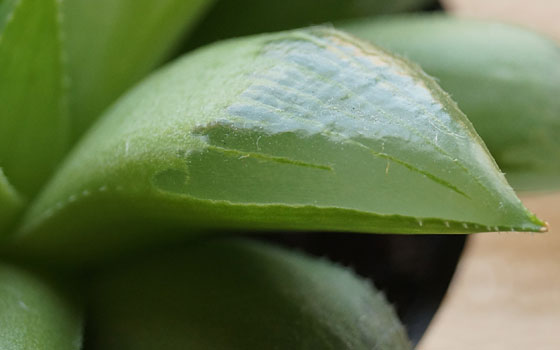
(301, 130)
(63, 62)
(239, 295)
(505, 78)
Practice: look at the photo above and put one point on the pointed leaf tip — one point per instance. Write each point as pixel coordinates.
(304, 130)
(481, 62)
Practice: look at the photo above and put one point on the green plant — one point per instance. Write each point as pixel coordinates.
(309, 129)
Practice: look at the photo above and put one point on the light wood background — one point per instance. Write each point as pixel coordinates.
(506, 291)
(540, 15)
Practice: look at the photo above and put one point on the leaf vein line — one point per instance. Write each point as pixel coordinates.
(383, 155)
(267, 157)
(411, 167)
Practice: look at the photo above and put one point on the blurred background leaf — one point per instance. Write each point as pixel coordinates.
(237, 294)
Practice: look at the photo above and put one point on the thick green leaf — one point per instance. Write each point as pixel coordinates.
(34, 315)
(63, 62)
(234, 18)
(238, 294)
(11, 203)
(111, 44)
(505, 78)
(34, 119)
(302, 130)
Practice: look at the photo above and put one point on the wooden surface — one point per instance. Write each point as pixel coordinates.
(506, 291)
(540, 15)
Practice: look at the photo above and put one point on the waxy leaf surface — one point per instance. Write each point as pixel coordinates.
(237, 294)
(63, 61)
(506, 79)
(36, 315)
(301, 130)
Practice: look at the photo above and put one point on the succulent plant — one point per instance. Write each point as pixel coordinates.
(114, 205)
